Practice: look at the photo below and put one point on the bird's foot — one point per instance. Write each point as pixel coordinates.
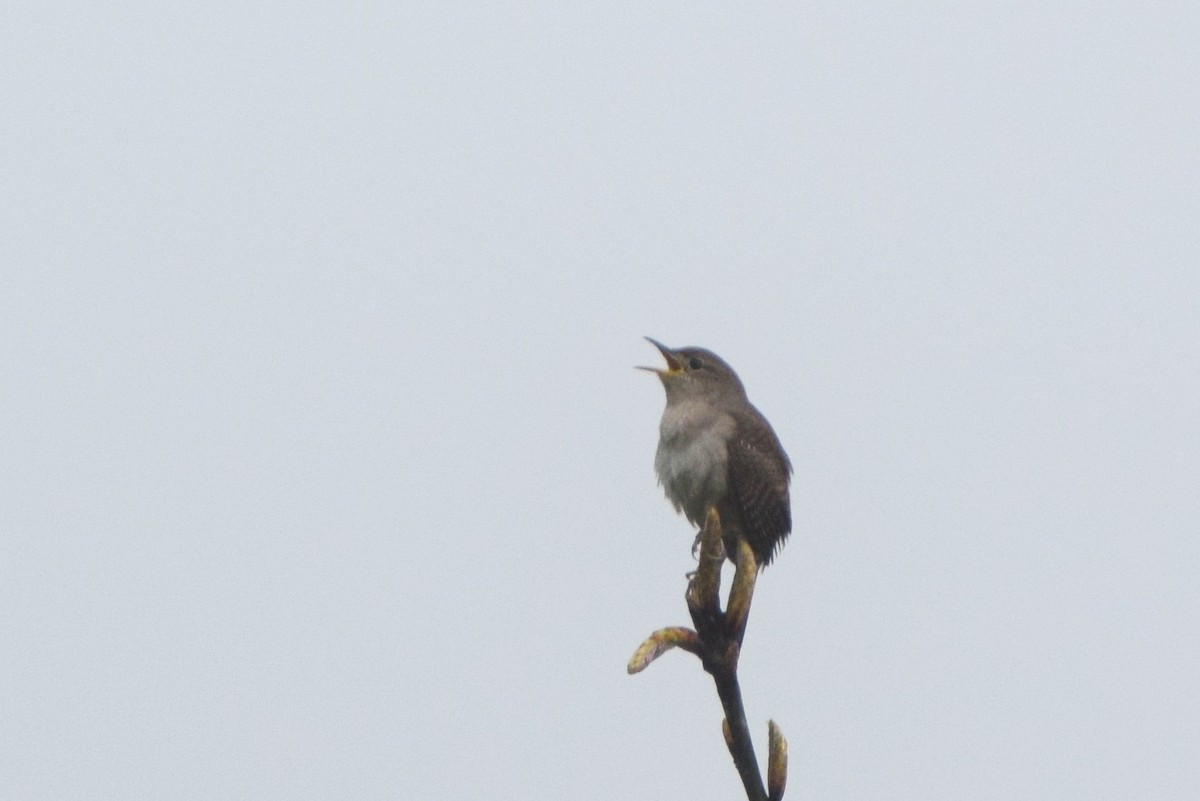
(718, 556)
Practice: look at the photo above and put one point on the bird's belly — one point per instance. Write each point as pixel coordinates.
(692, 471)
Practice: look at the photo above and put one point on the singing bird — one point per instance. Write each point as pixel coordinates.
(716, 449)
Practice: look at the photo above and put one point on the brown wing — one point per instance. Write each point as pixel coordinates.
(759, 472)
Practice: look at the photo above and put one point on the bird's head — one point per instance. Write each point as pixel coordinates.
(695, 373)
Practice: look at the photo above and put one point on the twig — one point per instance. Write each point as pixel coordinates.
(717, 641)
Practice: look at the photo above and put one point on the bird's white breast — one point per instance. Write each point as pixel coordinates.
(692, 456)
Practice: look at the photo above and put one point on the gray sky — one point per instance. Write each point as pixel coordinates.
(327, 475)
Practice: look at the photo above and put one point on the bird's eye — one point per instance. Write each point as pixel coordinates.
(695, 363)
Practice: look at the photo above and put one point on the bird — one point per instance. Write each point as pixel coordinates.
(716, 449)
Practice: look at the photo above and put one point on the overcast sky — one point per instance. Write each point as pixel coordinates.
(326, 473)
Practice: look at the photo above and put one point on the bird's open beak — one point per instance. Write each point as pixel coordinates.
(674, 364)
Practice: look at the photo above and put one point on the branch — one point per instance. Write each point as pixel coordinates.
(717, 641)
(659, 643)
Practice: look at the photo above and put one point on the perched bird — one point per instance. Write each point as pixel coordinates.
(715, 448)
